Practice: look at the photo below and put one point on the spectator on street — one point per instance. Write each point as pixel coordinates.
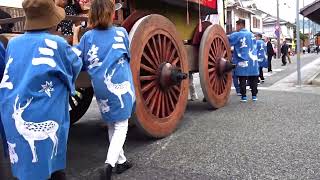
(289, 54)
(284, 52)
(317, 49)
(270, 53)
(262, 56)
(39, 76)
(65, 26)
(106, 66)
(246, 60)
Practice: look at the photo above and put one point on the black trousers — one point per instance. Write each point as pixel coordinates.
(284, 60)
(261, 73)
(253, 82)
(269, 63)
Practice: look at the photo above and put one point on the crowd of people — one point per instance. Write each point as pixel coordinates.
(37, 82)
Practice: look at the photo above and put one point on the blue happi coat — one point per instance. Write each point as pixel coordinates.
(39, 75)
(262, 54)
(245, 53)
(106, 57)
(2, 65)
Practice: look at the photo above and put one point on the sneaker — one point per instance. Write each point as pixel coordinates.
(238, 94)
(254, 98)
(243, 99)
(120, 168)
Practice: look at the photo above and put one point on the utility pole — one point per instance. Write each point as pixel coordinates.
(278, 35)
(302, 24)
(298, 47)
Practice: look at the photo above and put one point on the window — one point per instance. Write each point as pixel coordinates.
(256, 22)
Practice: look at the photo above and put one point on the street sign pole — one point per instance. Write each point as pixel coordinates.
(298, 46)
(278, 35)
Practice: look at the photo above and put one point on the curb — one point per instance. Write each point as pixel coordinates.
(315, 80)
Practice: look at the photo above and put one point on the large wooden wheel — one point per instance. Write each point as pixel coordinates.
(215, 66)
(159, 66)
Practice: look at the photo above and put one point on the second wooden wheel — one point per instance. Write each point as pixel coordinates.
(215, 66)
(159, 67)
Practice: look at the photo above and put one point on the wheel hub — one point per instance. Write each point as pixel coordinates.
(225, 66)
(170, 75)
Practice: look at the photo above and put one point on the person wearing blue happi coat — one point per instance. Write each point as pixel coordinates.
(245, 58)
(106, 56)
(2, 65)
(39, 77)
(262, 55)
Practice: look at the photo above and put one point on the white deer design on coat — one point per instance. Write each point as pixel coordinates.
(118, 89)
(32, 131)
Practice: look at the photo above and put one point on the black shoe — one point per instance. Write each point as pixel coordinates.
(106, 172)
(120, 168)
(58, 175)
(204, 100)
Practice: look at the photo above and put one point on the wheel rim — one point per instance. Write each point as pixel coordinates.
(156, 48)
(214, 63)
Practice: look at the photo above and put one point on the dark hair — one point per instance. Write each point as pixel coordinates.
(101, 13)
(259, 35)
(75, 5)
(5, 28)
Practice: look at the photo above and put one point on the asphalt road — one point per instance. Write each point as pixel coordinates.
(274, 138)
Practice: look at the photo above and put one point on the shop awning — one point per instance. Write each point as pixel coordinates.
(312, 11)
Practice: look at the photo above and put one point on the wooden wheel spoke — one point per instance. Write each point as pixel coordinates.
(176, 88)
(149, 60)
(211, 58)
(150, 96)
(175, 61)
(211, 63)
(174, 94)
(160, 48)
(147, 68)
(156, 49)
(164, 48)
(171, 99)
(148, 86)
(163, 105)
(212, 70)
(167, 103)
(148, 78)
(168, 50)
(172, 55)
(152, 54)
(154, 100)
(159, 103)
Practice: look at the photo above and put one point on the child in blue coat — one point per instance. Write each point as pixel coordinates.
(262, 55)
(38, 79)
(246, 60)
(106, 56)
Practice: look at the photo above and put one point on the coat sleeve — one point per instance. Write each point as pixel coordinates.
(82, 48)
(72, 66)
(2, 56)
(127, 44)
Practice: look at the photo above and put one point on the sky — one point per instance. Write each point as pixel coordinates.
(287, 8)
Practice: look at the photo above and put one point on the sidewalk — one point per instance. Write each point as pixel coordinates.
(309, 76)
